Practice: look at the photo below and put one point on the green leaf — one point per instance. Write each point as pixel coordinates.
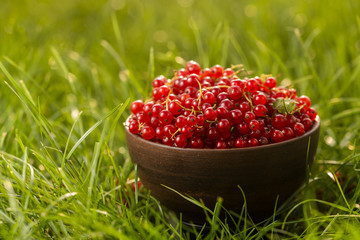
(284, 105)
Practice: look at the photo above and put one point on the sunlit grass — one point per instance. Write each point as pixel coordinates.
(70, 68)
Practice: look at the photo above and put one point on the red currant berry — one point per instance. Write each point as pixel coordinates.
(240, 143)
(134, 127)
(159, 132)
(169, 130)
(235, 92)
(249, 116)
(288, 133)
(220, 144)
(167, 141)
(223, 125)
(243, 128)
(147, 108)
(196, 142)
(278, 121)
(187, 131)
(181, 141)
(137, 106)
(254, 124)
(260, 110)
(277, 136)
(235, 116)
(259, 98)
(311, 113)
(212, 133)
(159, 81)
(270, 82)
(210, 114)
(175, 107)
(147, 132)
(222, 113)
(191, 120)
(209, 97)
(244, 107)
(180, 121)
(252, 85)
(217, 71)
(165, 117)
(156, 109)
(252, 142)
(307, 123)
(299, 129)
(193, 67)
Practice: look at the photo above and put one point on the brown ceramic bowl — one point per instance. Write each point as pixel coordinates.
(263, 172)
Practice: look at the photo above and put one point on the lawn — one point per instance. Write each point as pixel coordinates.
(70, 69)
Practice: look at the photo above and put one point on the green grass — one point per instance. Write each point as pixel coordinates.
(68, 70)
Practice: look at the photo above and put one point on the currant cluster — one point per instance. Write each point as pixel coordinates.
(215, 108)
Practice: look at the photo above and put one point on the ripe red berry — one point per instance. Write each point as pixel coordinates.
(147, 132)
(134, 127)
(278, 121)
(299, 129)
(277, 136)
(159, 81)
(240, 143)
(214, 108)
(181, 141)
(210, 114)
(260, 110)
(193, 67)
(270, 82)
(165, 117)
(252, 85)
(137, 106)
(217, 71)
(223, 125)
(235, 92)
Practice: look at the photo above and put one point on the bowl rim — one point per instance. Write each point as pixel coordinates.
(313, 129)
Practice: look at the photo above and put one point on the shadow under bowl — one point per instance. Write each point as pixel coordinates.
(263, 173)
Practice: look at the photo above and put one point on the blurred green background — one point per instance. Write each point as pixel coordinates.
(111, 50)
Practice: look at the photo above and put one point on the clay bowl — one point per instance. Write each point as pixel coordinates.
(263, 173)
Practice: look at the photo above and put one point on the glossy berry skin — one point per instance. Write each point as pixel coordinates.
(216, 108)
(235, 116)
(156, 109)
(134, 127)
(223, 125)
(159, 81)
(221, 144)
(169, 130)
(210, 114)
(137, 106)
(260, 110)
(165, 117)
(147, 132)
(252, 85)
(299, 129)
(193, 67)
(270, 82)
(212, 133)
(278, 121)
(277, 136)
(235, 92)
(311, 113)
(240, 143)
(181, 141)
(217, 71)
(196, 142)
(209, 97)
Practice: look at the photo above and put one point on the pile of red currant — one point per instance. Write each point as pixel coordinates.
(215, 108)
